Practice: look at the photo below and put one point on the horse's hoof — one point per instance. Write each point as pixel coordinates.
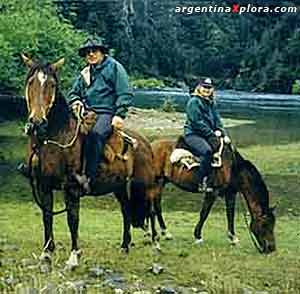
(45, 257)
(199, 241)
(147, 238)
(234, 241)
(157, 246)
(167, 236)
(124, 250)
(73, 260)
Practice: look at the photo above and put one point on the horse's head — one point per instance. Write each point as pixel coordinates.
(40, 89)
(263, 230)
(250, 183)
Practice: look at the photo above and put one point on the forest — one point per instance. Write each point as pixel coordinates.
(256, 52)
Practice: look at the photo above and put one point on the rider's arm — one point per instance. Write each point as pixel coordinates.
(194, 113)
(76, 92)
(218, 121)
(123, 91)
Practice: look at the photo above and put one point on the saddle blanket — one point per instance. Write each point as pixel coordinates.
(185, 157)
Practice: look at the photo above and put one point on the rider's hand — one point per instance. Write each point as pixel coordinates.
(214, 142)
(117, 122)
(77, 108)
(227, 140)
(218, 133)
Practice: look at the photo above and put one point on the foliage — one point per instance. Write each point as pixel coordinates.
(34, 28)
(145, 83)
(296, 87)
(256, 52)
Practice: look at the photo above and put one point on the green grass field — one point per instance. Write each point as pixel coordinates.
(271, 143)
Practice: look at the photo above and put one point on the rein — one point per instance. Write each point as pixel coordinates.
(252, 236)
(70, 144)
(35, 189)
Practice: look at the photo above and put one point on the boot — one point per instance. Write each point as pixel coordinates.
(23, 169)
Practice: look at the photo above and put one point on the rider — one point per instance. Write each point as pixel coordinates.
(201, 130)
(103, 86)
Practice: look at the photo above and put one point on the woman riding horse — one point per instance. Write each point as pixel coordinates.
(205, 137)
(201, 130)
(55, 160)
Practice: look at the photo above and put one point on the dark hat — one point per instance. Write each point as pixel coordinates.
(95, 42)
(206, 83)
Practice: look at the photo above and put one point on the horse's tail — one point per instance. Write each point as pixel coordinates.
(137, 205)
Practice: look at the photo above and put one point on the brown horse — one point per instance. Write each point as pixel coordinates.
(55, 160)
(234, 175)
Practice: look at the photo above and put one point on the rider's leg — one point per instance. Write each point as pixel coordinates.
(96, 140)
(200, 148)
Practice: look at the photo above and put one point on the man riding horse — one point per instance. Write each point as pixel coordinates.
(102, 86)
(202, 130)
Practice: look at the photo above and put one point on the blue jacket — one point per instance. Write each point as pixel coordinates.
(104, 87)
(202, 118)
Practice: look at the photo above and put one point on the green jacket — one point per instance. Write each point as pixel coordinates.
(104, 87)
(202, 118)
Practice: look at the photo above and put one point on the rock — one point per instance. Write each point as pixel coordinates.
(119, 291)
(78, 286)
(167, 290)
(115, 281)
(49, 289)
(156, 269)
(28, 290)
(96, 272)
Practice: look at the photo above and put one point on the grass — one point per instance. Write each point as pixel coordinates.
(216, 267)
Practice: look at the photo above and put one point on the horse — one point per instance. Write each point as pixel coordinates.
(55, 160)
(231, 174)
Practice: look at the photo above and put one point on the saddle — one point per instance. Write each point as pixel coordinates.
(119, 145)
(183, 156)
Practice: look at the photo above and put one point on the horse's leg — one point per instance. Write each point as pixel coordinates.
(46, 196)
(151, 196)
(122, 197)
(146, 227)
(72, 200)
(160, 219)
(230, 198)
(208, 202)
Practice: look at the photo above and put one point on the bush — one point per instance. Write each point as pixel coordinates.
(296, 87)
(149, 83)
(34, 27)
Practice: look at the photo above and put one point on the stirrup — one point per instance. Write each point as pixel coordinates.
(84, 182)
(204, 187)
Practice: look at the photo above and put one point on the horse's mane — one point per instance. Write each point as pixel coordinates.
(257, 182)
(59, 114)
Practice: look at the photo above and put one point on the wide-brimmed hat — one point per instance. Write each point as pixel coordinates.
(95, 42)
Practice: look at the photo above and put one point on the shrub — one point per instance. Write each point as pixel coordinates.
(35, 28)
(147, 83)
(296, 87)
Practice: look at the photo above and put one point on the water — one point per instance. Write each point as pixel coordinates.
(228, 100)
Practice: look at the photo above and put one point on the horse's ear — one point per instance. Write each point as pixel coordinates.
(58, 64)
(28, 61)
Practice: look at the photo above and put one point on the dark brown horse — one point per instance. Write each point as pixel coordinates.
(234, 175)
(55, 160)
